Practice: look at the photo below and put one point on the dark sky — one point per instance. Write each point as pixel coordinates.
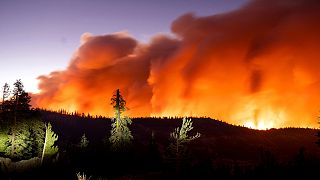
(40, 36)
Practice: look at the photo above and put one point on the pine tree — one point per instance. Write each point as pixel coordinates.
(180, 135)
(120, 133)
(23, 136)
(84, 142)
(179, 138)
(37, 134)
(49, 147)
(154, 155)
(23, 142)
(5, 94)
(5, 108)
(3, 140)
(21, 105)
(4, 126)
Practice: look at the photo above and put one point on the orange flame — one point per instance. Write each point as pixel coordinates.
(257, 66)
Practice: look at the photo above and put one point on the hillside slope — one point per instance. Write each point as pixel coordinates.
(218, 139)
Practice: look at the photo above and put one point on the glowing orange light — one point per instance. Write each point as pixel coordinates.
(261, 73)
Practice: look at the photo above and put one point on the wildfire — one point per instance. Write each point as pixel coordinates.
(265, 120)
(257, 66)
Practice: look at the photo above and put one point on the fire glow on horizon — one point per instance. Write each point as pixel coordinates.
(257, 66)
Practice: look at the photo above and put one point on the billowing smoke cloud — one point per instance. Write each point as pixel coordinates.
(257, 66)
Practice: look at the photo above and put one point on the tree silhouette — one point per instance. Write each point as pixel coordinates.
(4, 128)
(5, 94)
(179, 137)
(5, 107)
(37, 134)
(22, 131)
(21, 105)
(49, 147)
(28, 140)
(22, 142)
(120, 133)
(118, 103)
(3, 139)
(154, 155)
(84, 142)
(21, 98)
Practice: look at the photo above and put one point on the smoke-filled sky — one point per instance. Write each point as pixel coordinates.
(254, 64)
(40, 36)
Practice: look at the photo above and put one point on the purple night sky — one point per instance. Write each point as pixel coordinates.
(40, 36)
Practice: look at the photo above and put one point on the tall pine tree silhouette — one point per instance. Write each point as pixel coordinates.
(179, 138)
(120, 133)
(20, 103)
(5, 94)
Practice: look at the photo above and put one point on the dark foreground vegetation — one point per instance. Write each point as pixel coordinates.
(222, 152)
(149, 148)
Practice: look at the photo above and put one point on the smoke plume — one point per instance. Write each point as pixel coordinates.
(257, 66)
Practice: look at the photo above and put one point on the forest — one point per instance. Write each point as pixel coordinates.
(45, 144)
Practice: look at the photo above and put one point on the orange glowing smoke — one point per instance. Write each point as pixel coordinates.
(257, 66)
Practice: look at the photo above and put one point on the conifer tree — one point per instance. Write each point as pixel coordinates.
(120, 133)
(3, 119)
(28, 140)
(49, 147)
(154, 155)
(179, 138)
(84, 142)
(21, 104)
(37, 134)
(22, 133)
(3, 140)
(180, 135)
(22, 142)
(5, 95)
